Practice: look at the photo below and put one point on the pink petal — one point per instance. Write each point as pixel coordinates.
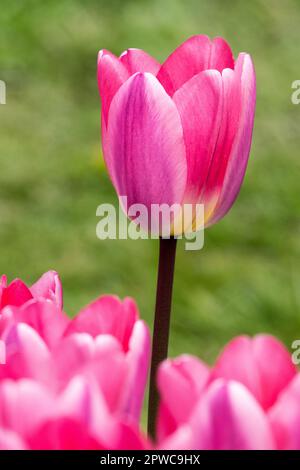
(128, 437)
(10, 440)
(72, 355)
(231, 109)
(123, 389)
(229, 418)
(268, 350)
(63, 434)
(16, 294)
(180, 382)
(232, 152)
(221, 55)
(69, 434)
(26, 354)
(25, 404)
(248, 361)
(3, 285)
(46, 318)
(107, 315)
(199, 103)
(83, 401)
(7, 319)
(187, 60)
(111, 74)
(80, 353)
(285, 417)
(49, 287)
(109, 356)
(146, 148)
(196, 54)
(138, 359)
(3, 281)
(182, 438)
(136, 60)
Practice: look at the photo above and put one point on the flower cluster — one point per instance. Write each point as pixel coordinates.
(250, 399)
(79, 383)
(70, 384)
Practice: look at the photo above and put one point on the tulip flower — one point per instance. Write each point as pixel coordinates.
(250, 399)
(176, 133)
(34, 417)
(72, 384)
(17, 293)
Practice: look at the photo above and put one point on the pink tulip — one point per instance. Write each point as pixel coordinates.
(52, 350)
(248, 400)
(108, 335)
(17, 293)
(34, 417)
(179, 132)
(72, 383)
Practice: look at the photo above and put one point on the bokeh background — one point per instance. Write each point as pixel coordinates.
(52, 175)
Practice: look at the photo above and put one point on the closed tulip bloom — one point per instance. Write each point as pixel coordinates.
(179, 132)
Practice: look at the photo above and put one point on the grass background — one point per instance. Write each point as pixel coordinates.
(52, 176)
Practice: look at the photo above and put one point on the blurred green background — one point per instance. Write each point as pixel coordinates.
(52, 176)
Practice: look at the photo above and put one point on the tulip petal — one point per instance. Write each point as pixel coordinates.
(199, 103)
(83, 401)
(138, 358)
(3, 286)
(24, 405)
(228, 129)
(10, 440)
(111, 74)
(232, 152)
(195, 55)
(183, 439)
(49, 287)
(187, 60)
(285, 417)
(229, 418)
(93, 358)
(15, 294)
(146, 148)
(248, 361)
(180, 380)
(107, 315)
(72, 355)
(7, 319)
(136, 60)
(46, 318)
(109, 356)
(273, 380)
(128, 437)
(26, 354)
(221, 55)
(63, 434)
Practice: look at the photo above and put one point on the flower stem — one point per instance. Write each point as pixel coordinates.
(167, 252)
